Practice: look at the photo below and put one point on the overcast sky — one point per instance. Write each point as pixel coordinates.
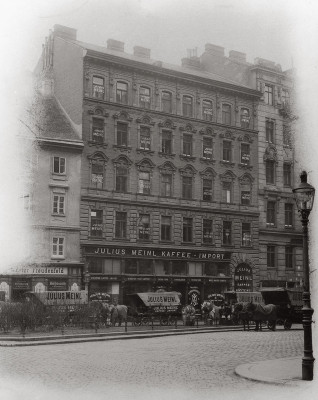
(284, 31)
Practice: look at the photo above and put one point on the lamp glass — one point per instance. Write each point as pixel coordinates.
(304, 198)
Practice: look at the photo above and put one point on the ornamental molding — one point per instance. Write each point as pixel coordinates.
(270, 153)
(98, 155)
(245, 138)
(208, 173)
(122, 160)
(246, 179)
(167, 168)
(146, 120)
(123, 115)
(228, 134)
(98, 111)
(145, 164)
(188, 128)
(188, 170)
(168, 123)
(207, 131)
(228, 176)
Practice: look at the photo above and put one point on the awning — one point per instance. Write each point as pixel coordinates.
(160, 298)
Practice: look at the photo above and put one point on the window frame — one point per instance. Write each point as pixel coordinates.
(207, 238)
(165, 140)
(143, 146)
(268, 94)
(271, 256)
(141, 102)
(245, 118)
(121, 225)
(144, 235)
(246, 228)
(58, 248)
(166, 104)
(187, 108)
(102, 122)
(166, 229)
(120, 133)
(271, 213)
(121, 94)
(270, 130)
(226, 242)
(226, 114)
(205, 147)
(187, 187)
(289, 215)
(144, 188)
(61, 167)
(98, 220)
(207, 116)
(187, 230)
(205, 188)
(245, 156)
(227, 193)
(57, 210)
(95, 85)
(270, 172)
(226, 151)
(164, 185)
(289, 258)
(187, 145)
(287, 174)
(121, 180)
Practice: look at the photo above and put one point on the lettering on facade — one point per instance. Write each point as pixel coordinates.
(243, 278)
(37, 270)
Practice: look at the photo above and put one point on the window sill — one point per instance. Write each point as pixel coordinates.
(97, 144)
(145, 151)
(58, 215)
(227, 163)
(124, 148)
(95, 237)
(59, 177)
(207, 160)
(58, 258)
(187, 157)
(187, 243)
(166, 155)
(166, 242)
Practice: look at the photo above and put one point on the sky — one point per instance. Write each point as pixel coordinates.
(284, 31)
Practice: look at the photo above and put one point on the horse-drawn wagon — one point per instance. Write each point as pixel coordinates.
(288, 302)
(146, 307)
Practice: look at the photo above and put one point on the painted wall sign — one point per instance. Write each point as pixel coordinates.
(63, 297)
(171, 254)
(57, 284)
(36, 270)
(21, 284)
(243, 278)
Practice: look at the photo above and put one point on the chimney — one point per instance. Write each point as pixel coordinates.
(192, 62)
(214, 50)
(267, 64)
(237, 56)
(141, 52)
(65, 32)
(113, 44)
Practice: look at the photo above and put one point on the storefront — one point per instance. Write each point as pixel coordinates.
(121, 271)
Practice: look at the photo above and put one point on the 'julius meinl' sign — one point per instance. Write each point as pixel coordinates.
(140, 252)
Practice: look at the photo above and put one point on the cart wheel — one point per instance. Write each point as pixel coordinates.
(287, 324)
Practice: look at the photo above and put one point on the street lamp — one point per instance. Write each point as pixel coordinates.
(304, 197)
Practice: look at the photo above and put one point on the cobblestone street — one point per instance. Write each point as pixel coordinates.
(173, 367)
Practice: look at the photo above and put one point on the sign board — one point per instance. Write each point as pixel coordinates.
(57, 284)
(160, 298)
(36, 270)
(243, 278)
(21, 284)
(61, 298)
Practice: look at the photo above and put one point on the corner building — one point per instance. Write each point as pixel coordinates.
(169, 175)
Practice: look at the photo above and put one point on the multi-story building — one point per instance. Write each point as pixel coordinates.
(169, 169)
(280, 237)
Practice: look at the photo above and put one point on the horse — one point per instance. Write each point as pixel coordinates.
(241, 313)
(215, 314)
(206, 308)
(117, 313)
(188, 315)
(261, 313)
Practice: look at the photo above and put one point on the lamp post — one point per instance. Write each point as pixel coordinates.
(304, 197)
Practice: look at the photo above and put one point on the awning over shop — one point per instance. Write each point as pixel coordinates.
(160, 298)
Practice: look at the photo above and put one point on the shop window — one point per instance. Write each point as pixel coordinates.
(187, 230)
(227, 151)
(289, 214)
(122, 134)
(95, 266)
(96, 223)
(145, 139)
(187, 187)
(226, 114)
(144, 97)
(287, 174)
(187, 106)
(98, 130)
(59, 164)
(144, 227)
(162, 267)
(166, 102)
(58, 247)
(166, 142)
(245, 118)
(207, 148)
(245, 154)
(227, 232)
(130, 266)
(166, 185)
(195, 269)
(268, 94)
(210, 269)
(207, 189)
(271, 213)
(145, 267)
(207, 232)
(270, 172)
(98, 87)
(289, 257)
(207, 111)
(187, 145)
(59, 204)
(144, 182)
(179, 268)
(112, 266)
(271, 256)
(246, 234)
(122, 93)
(121, 225)
(269, 127)
(166, 228)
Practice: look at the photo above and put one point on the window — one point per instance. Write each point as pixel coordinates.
(95, 266)
(268, 94)
(187, 187)
(98, 87)
(187, 106)
(269, 127)
(96, 223)
(245, 118)
(98, 167)
(144, 227)
(58, 247)
(245, 154)
(287, 174)
(289, 213)
(207, 111)
(121, 225)
(98, 130)
(226, 192)
(271, 258)
(289, 257)
(271, 213)
(226, 150)
(121, 178)
(245, 197)
(144, 97)
(166, 142)
(166, 185)
(227, 232)
(145, 267)
(59, 204)
(187, 145)
(226, 114)
(144, 182)
(207, 232)
(145, 142)
(285, 97)
(122, 93)
(166, 102)
(59, 165)
(207, 189)
(166, 228)
(122, 134)
(207, 148)
(246, 234)
(187, 230)
(179, 268)
(270, 172)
